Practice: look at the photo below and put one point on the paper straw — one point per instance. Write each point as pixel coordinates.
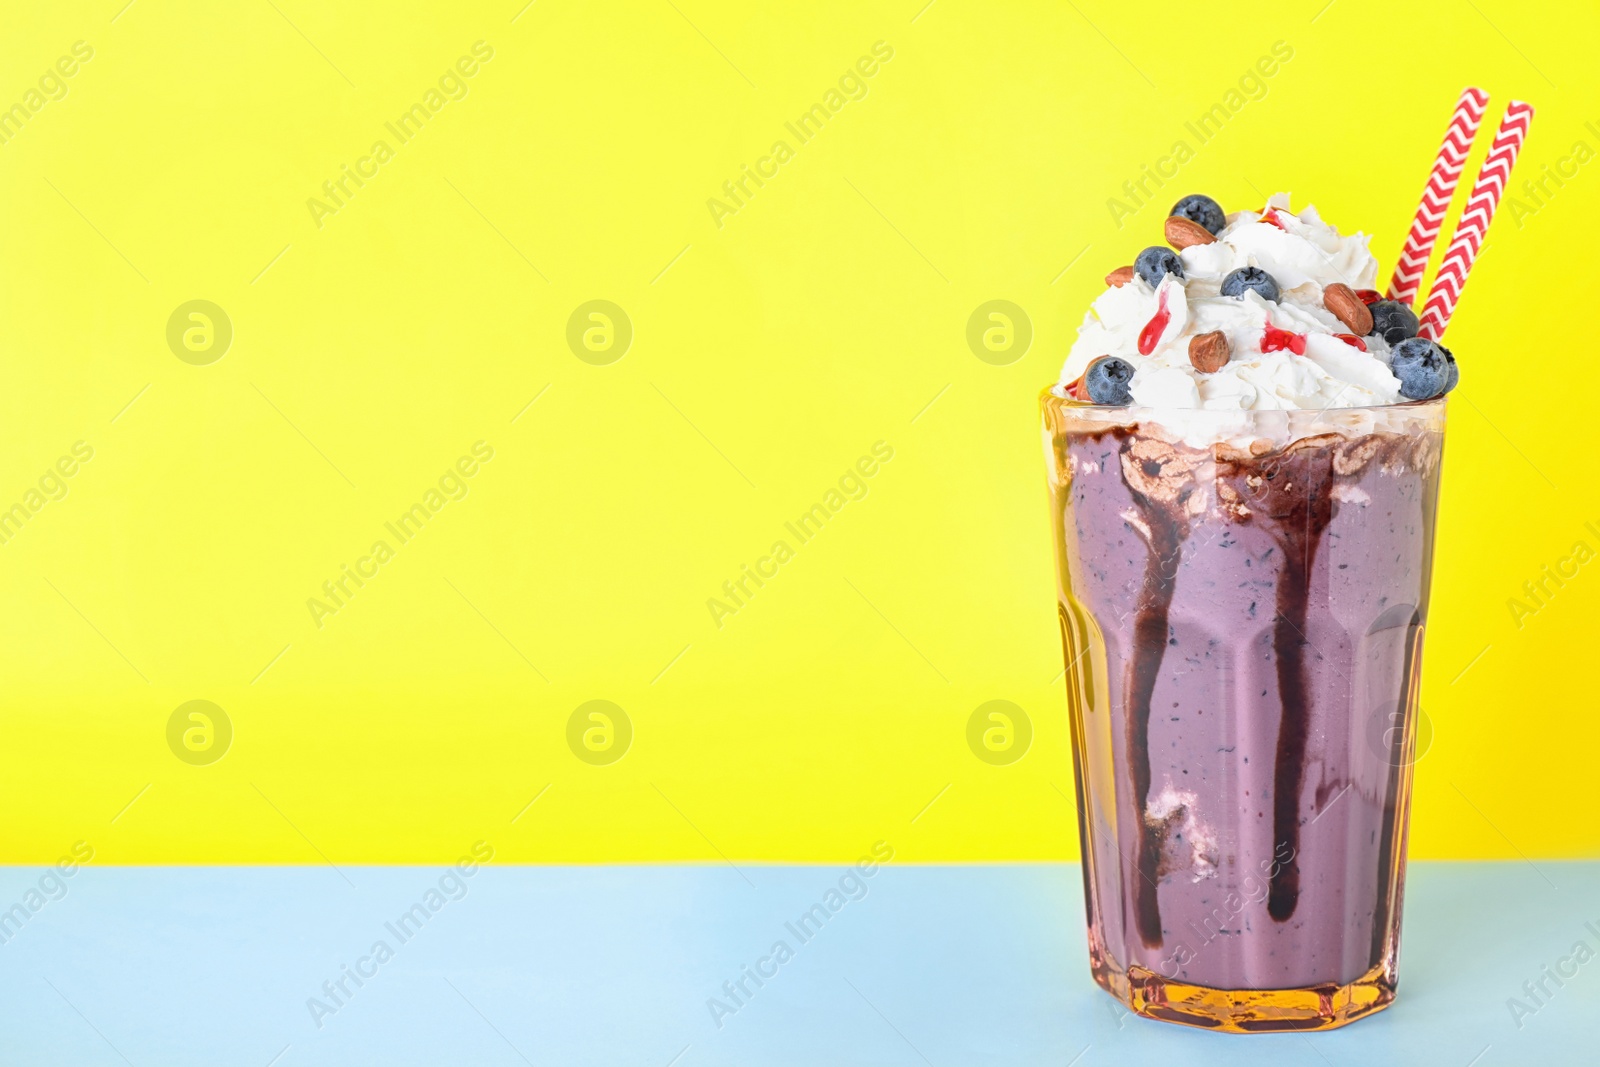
(1475, 219)
(1436, 195)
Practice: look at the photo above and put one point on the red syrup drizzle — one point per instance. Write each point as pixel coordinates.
(1352, 339)
(1368, 296)
(1276, 340)
(1151, 334)
(1270, 217)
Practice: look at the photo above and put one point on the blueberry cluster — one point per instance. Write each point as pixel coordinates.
(1158, 261)
(1425, 368)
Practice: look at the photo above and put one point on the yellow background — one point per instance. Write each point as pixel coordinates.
(768, 355)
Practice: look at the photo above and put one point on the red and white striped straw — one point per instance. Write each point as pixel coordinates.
(1475, 219)
(1436, 195)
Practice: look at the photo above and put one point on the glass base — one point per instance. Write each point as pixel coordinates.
(1245, 1011)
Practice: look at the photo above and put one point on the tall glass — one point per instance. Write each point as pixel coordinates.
(1242, 600)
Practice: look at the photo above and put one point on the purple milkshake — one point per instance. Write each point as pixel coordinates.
(1244, 517)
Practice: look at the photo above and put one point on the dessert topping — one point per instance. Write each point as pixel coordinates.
(1150, 336)
(1155, 263)
(1107, 380)
(1346, 306)
(1393, 321)
(1255, 278)
(1202, 209)
(1276, 340)
(1209, 351)
(1182, 233)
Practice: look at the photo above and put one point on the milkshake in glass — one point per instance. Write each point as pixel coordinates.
(1244, 454)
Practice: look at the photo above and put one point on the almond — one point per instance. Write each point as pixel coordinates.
(1348, 308)
(1182, 232)
(1120, 276)
(1209, 351)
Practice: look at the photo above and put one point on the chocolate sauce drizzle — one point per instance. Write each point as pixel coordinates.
(1149, 649)
(1302, 512)
(1168, 525)
(1294, 490)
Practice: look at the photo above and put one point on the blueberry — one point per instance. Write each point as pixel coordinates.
(1392, 320)
(1250, 278)
(1202, 209)
(1155, 263)
(1424, 369)
(1107, 381)
(1452, 372)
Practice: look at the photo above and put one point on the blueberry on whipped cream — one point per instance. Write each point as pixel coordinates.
(1155, 263)
(1254, 278)
(1202, 209)
(1254, 310)
(1107, 380)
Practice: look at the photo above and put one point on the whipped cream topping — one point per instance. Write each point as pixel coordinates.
(1303, 256)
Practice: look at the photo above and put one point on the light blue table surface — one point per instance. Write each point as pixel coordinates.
(944, 966)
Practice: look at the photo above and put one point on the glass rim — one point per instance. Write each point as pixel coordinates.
(1049, 397)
